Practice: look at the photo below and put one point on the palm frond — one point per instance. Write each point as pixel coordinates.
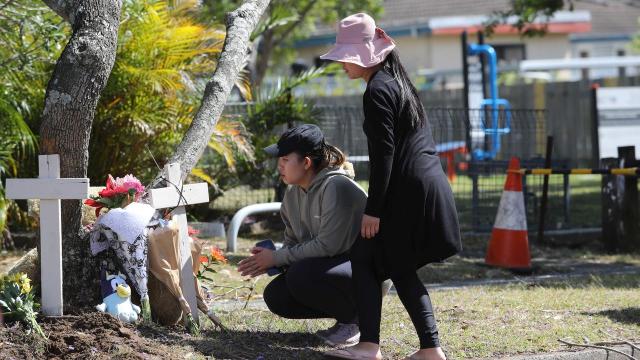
(278, 16)
(7, 163)
(228, 137)
(243, 83)
(16, 138)
(4, 205)
(288, 84)
(200, 174)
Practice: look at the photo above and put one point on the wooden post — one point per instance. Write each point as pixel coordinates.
(595, 125)
(49, 188)
(629, 213)
(566, 191)
(610, 206)
(620, 215)
(177, 196)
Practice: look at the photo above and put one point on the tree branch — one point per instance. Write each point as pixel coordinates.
(240, 23)
(598, 347)
(303, 14)
(61, 7)
(625, 342)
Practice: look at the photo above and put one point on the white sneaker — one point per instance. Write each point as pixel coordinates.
(340, 334)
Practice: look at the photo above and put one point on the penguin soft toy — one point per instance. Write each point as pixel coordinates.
(116, 296)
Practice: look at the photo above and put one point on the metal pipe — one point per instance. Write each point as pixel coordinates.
(236, 221)
(476, 49)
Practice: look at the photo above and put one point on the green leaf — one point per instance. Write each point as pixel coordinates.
(206, 278)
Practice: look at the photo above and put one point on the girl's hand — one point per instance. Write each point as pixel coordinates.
(258, 263)
(370, 226)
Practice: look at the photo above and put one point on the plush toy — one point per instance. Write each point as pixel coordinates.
(116, 296)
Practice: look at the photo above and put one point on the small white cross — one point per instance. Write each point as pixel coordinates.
(169, 197)
(50, 189)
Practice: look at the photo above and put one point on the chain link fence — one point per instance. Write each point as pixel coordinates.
(477, 184)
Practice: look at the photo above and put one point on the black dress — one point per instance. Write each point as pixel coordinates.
(408, 189)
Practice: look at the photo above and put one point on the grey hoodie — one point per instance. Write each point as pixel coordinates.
(322, 221)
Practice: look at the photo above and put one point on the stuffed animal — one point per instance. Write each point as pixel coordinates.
(117, 298)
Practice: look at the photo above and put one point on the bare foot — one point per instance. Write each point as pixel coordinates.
(363, 350)
(427, 354)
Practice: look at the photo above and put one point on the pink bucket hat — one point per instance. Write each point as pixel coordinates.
(360, 42)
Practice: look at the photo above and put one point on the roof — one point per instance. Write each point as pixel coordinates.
(611, 17)
(607, 17)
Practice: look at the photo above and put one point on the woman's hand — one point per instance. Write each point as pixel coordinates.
(370, 226)
(258, 263)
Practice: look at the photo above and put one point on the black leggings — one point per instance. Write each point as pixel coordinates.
(314, 288)
(414, 296)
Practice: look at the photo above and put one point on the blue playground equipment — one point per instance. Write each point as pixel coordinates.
(491, 107)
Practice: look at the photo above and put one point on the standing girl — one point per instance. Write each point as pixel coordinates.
(410, 218)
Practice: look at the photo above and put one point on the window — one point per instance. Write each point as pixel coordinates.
(510, 54)
(585, 71)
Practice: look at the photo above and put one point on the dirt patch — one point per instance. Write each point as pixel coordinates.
(90, 335)
(7, 259)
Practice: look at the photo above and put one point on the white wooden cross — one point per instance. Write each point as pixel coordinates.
(50, 189)
(169, 197)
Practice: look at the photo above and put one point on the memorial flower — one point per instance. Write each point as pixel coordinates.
(17, 302)
(119, 192)
(209, 261)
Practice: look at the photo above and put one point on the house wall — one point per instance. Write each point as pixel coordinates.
(443, 52)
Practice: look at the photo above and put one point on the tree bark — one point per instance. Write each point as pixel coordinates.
(269, 41)
(263, 55)
(240, 23)
(74, 89)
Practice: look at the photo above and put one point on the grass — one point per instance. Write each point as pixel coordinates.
(514, 319)
(468, 266)
(474, 322)
(239, 197)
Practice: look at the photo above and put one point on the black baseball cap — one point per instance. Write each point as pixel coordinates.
(304, 138)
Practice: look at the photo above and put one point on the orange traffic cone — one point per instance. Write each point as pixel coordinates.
(509, 244)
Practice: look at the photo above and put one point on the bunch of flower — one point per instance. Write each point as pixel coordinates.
(209, 261)
(17, 301)
(119, 192)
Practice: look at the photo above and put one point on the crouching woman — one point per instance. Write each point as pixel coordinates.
(322, 212)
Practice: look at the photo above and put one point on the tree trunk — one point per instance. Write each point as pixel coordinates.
(240, 23)
(263, 55)
(74, 89)
(269, 41)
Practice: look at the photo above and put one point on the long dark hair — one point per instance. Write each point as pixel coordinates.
(411, 104)
(326, 155)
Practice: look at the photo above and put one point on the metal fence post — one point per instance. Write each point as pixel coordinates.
(475, 197)
(545, 191)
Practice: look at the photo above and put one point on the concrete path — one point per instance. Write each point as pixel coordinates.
(589, 354)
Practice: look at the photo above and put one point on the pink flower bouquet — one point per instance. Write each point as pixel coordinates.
(119, 192)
